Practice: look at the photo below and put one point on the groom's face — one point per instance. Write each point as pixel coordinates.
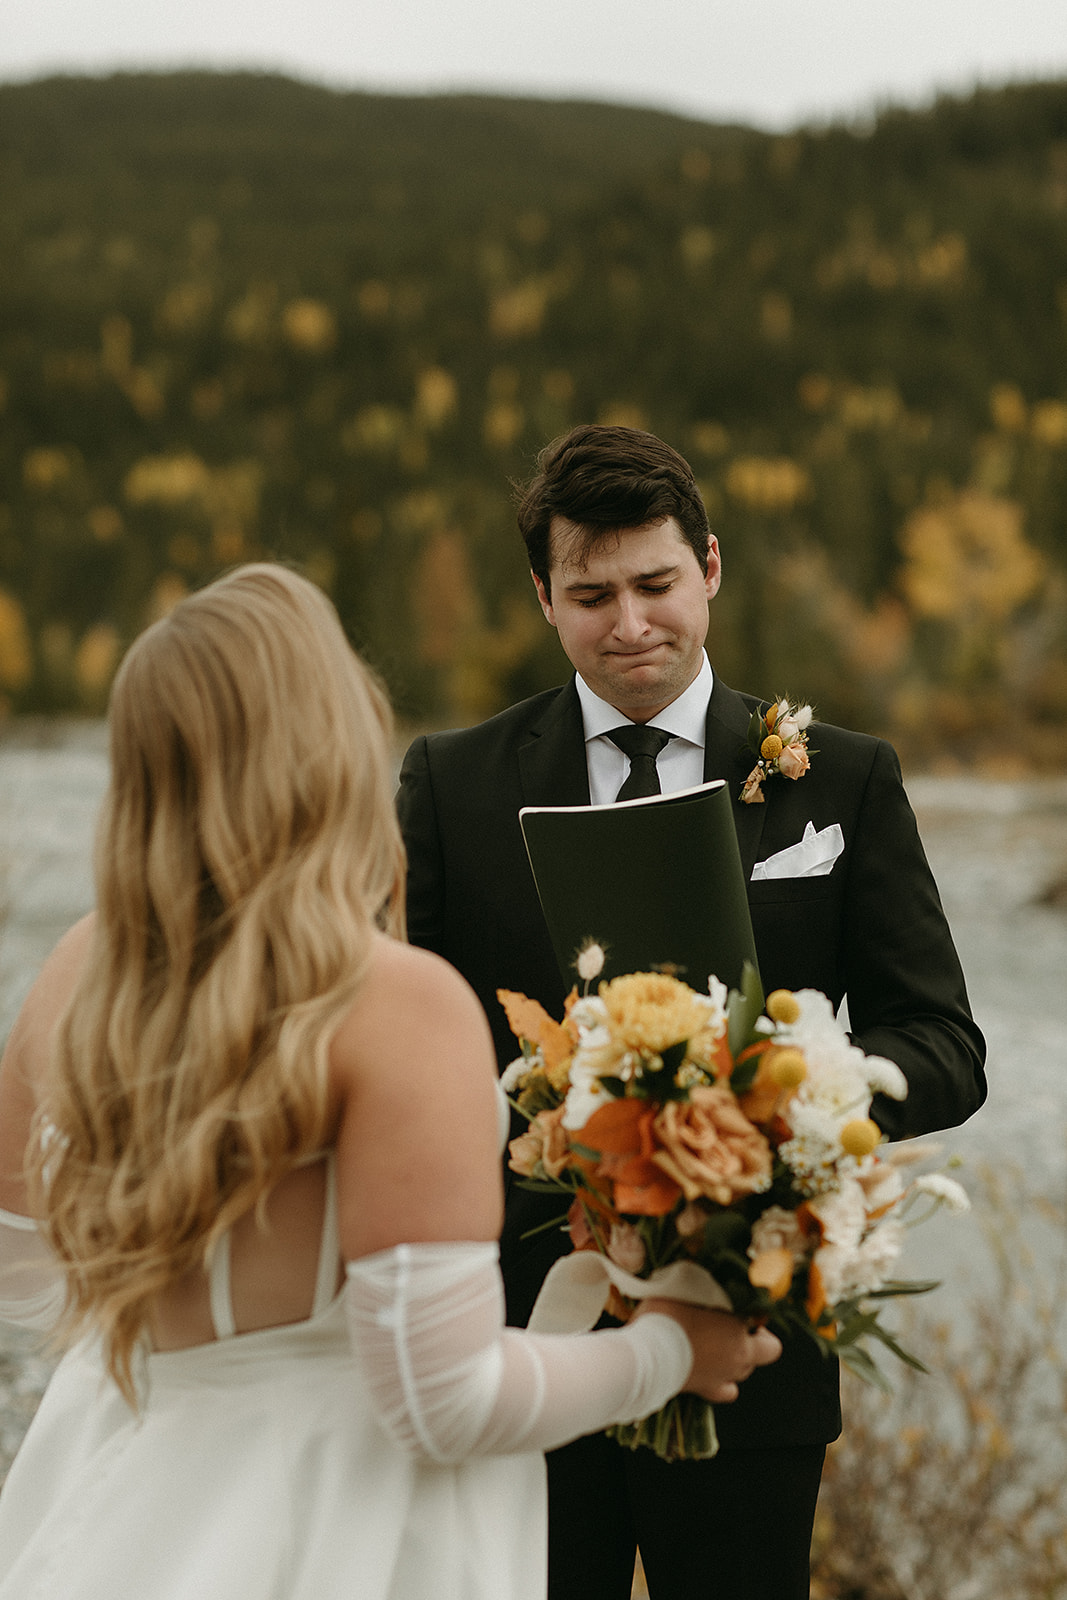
(632, 613)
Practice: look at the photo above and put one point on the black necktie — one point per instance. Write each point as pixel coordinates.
(642, 744)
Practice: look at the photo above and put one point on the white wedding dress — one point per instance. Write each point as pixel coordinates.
(388, 1448)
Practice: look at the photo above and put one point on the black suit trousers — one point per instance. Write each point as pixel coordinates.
(737, 1527)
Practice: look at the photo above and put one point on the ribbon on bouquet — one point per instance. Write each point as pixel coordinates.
(577, 1287)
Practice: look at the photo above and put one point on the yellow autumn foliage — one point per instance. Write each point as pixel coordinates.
(968, 556)
(309, 325)
(16, 657)
(767, 483)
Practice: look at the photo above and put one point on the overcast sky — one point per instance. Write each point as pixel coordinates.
(773, 62)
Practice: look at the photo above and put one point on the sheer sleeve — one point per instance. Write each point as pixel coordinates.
(32, 1284)
(448, 1379)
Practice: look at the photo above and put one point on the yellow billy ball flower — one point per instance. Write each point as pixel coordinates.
(771, 748)
(783, 1006)
(860, 1136)
(787, 1068)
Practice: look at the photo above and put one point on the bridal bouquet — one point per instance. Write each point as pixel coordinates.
(694, 1131)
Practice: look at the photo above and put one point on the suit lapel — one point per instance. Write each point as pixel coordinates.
(552, 765)
(726, 755)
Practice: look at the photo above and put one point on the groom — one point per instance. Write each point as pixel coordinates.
(625, 568)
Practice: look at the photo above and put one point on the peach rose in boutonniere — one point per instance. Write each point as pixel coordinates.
(779, 738)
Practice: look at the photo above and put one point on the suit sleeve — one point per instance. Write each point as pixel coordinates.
(417, 811)
(906, 993)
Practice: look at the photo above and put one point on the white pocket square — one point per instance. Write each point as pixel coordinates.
(813, 857)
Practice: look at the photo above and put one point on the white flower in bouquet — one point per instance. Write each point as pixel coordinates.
(589, 1015)
(777, 1229)
(515, 1071)
(850, 1270)
(585, 1095)
(814, 1152)
(885, 1077)
(842, 1214)
(590, 962)
(881, 1183)
(718, 996)
(946, 1190)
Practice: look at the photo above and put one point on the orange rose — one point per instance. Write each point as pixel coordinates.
(709, 1147)
(621, 1134)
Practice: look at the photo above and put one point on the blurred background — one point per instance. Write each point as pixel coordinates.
(246, 313)
(318, 283)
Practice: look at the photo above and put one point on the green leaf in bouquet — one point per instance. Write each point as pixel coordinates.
(536, 1095)
(898, 1286)
(857, 1360)
(742, 1009)
(586, 1151)
(726, 1232)
(755, 731)
(898, 1350)
(661, 1085)
(553, 1222)
(853, 1325)
(674, 1055)
(744, 1075)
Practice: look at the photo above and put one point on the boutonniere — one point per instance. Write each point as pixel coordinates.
(779, 737)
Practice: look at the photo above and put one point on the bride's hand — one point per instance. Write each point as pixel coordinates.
(726, 1350)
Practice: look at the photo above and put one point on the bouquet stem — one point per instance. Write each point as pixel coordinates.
(684, 1430)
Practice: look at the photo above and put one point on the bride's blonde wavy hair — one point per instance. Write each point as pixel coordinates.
(246, 853)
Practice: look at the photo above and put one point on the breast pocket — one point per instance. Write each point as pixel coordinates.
(797, 927)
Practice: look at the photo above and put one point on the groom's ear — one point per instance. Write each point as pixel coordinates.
(545, 599)
(714, 572)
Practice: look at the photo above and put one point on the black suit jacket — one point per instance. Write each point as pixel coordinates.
(873, 929)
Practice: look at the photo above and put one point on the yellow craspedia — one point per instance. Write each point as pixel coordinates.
(787, 1068)
(783, 1006)
(860, 1136)
(771, 748)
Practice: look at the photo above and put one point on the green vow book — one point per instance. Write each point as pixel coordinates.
(657, 882)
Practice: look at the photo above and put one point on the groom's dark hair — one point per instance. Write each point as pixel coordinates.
(604, 479)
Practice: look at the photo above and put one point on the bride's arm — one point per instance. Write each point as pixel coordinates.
(419, 1186)
(31, 1279)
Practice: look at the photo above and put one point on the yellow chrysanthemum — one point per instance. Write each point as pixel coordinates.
(652, 1011)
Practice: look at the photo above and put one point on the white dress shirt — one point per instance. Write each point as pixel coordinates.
(680, 763)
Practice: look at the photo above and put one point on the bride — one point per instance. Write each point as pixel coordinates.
(249, 1166)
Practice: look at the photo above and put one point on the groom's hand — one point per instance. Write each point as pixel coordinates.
(726, 1350)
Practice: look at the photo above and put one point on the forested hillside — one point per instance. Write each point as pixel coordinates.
(241, 315)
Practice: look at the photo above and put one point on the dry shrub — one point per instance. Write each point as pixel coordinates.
(955, 1487)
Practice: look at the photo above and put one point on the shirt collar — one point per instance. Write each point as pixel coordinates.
(685, 718)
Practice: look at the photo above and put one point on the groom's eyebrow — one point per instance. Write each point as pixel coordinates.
(582, 585)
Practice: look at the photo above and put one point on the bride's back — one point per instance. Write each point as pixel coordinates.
(246, 858)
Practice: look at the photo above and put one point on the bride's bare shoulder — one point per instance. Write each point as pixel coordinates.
(410, 995)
